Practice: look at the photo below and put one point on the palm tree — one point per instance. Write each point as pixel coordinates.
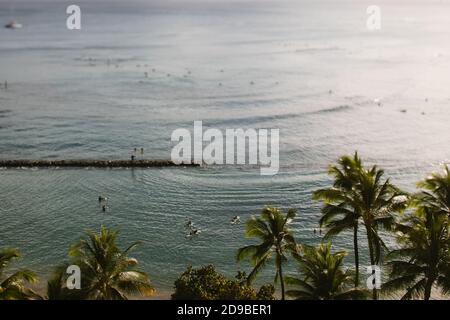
(13, 287)
(107, 273)
(337, 214)
(423, 259)
(56, 289)
(322, 277)
(57, 286)
(369, 200)
(272, 228)
(436, 192)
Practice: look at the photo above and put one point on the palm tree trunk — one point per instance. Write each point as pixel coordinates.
(355, 248)
(372, 258)
(428, 287)
(280, 274)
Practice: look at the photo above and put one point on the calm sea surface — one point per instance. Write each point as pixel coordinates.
(239, 64)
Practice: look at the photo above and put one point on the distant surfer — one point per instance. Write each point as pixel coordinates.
(13, 25)
(235, 220)
(194, 232)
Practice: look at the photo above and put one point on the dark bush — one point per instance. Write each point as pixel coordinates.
(206, 283)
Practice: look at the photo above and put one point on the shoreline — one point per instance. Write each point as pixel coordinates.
(160, 294)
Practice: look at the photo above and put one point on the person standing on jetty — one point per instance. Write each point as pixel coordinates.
(133, 154)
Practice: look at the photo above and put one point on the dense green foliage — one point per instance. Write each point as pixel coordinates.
(207, 284)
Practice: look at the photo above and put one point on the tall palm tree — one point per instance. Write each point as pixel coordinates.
(424, 258)
(107, 273)
(436, 192)
(337, 214)
(272, 229)
(13, 287)
(322, 276)
(370, 200)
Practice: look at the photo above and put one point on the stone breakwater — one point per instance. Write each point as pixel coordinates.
(91, 163)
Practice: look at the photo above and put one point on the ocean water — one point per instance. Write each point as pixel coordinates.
(238, 64)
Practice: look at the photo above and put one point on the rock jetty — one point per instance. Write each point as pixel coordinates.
(91, 163)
